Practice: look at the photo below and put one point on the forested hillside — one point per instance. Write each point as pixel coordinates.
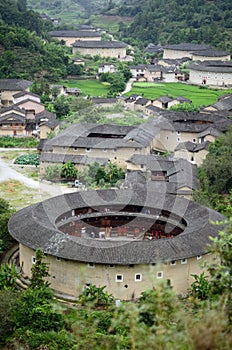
(63, 8)
(23, 51)
(175, 21)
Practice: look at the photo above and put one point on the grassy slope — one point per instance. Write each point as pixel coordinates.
(199, 96)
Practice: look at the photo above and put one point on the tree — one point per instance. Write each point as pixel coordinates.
(61, 106)
(53, 172)
(69, 171)
(7, 300)
(95, 296)
(8, 276)
(217, 168)
(5, 213)
(39, 271)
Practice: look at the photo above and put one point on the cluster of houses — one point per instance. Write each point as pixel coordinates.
(21, 112)
(153, 232)
(89, 42)
(205, 65)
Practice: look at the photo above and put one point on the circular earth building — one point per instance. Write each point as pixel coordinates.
(125, 240)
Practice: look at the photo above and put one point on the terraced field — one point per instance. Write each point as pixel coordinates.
(200, 96)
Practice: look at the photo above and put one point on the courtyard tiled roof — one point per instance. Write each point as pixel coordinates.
(187, 47)
(36, 227)
(212, 66)
(100, 44)
(74, 33)
(211, 53)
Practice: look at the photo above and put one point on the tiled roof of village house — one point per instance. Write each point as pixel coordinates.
(14, 84)
(164, 99)
(74, 33)
(28, 100)
(212, 66)
(99, 100)
(142, 101)
(51, 123)
(187, 47)
(13, 118)
(46, 115)
(76, 159)
(160, 68)
(189, 121)
(182, 99)
(100, 44)
(35, 227)
(80, 135)
(211, 53)
(225, 104)
(171, 61)
(179, 171)
(210, 131)
(12, 108)
(193, 147)
(25, 93)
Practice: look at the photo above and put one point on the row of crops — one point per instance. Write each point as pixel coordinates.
(28, 159)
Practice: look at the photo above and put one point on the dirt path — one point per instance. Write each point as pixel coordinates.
(40, 189)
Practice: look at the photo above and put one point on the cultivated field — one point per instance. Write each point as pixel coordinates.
(90, 87)
(200, 96)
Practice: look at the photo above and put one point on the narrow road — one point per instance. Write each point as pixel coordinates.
(8, 173)
(128, 86)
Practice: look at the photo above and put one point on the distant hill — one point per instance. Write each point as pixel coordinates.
(151, 21)
(69, 10)
(175, 21)
(23, 51)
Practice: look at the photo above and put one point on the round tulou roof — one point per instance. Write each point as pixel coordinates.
(36, 226)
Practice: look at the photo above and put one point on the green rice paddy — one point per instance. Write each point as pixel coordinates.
(200, 96)
(90, 87)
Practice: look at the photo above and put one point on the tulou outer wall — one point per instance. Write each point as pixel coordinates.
(68, 277)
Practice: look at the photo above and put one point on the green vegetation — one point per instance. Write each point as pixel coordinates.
(70, 11)
(88, 87)
(92, 175)
(200, 97)
(8, 277)
(5, 213)
(28, 159)
(216, 176)
(22, 142)
(69, 171)
(34, 320)
(188, 21)
(95, 296)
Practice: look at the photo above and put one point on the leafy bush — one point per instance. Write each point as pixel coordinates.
(95, 296)
(28, 159)
(23, 142)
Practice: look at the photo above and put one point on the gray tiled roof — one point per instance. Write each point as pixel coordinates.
(187, 47)
(211, 66)
(76, 159)
(14, 118)
(79, 135)
(14, 84)
(74, 34)
(193, 147)
(35, 226)
(23, 93)
(224, 104)
(211, 53)
(99, 100)
(179, 171)
(13, 109)
(141, 101)
(99, 44)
